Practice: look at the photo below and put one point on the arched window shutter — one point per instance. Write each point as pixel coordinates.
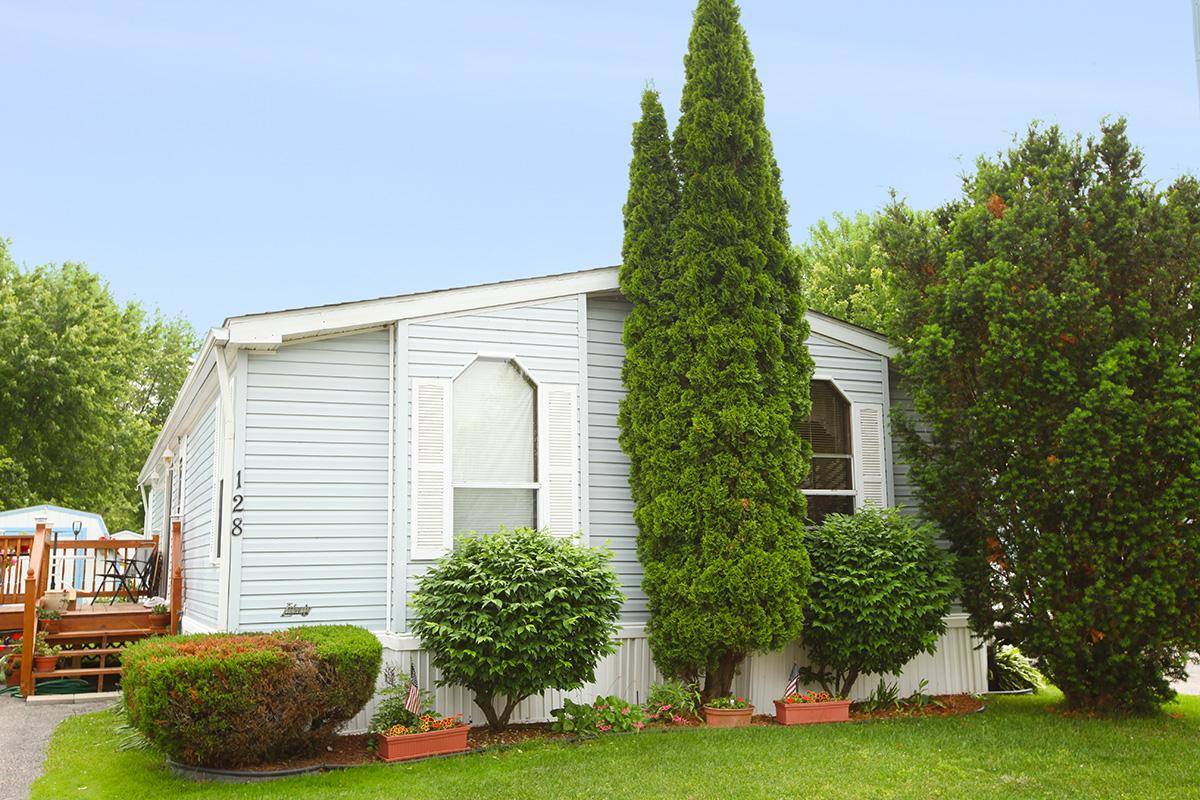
(558, 409)
(870, 455)
(432, 510)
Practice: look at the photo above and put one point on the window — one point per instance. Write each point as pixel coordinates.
(829, 486)
(494, 457)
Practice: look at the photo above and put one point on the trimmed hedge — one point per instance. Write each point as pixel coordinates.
(230, 700)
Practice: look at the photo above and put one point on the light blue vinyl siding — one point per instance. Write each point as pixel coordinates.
(201, 579)
(860, 375)
(315, 480)
(610, 511)
(155, 522)
(544, 337)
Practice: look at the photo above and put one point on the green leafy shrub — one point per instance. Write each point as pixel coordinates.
(1050, 334)
(673, 701)
(228, 700)
(879, 594)
(515, 613)
(1012, 671)
(607, 715)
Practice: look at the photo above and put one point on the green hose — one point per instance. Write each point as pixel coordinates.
(56, 686)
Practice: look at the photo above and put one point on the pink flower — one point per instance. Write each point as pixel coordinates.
(604, 728)
(625, 711)
(639, 725)
(676, 719)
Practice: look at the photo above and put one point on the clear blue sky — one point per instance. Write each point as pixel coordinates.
(215, 158)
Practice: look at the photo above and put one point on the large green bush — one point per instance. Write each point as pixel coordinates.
(717, 371)
(880, 591)
(515, 613)
(1050, 331)
(229, 700)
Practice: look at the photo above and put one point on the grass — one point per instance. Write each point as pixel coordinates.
(1020, 747)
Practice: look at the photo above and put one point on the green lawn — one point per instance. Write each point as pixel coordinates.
(1018, 747)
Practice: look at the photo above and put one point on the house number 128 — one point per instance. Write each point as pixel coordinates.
(235, 525)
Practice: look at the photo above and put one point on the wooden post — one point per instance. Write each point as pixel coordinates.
(37, 556)
(176, 573)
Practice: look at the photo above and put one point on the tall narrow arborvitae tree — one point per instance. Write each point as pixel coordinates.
(649, 210)
(720, 384)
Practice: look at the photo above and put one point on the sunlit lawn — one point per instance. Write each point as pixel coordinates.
(1019, 747)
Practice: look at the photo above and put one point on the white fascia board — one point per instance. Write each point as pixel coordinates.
(191, 385)
(850, 334)
(371, 313)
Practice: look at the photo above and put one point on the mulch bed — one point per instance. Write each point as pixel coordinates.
(353, 750)
(950, 705)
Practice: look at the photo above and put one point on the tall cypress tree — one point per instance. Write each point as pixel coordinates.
(720, 383)
(650, 209)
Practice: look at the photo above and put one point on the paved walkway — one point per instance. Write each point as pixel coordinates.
(25, 730)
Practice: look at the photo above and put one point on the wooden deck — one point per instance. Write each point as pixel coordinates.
(93, 631)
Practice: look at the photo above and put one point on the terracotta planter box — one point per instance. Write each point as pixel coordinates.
(727, 717)
(160, 620)
(45, 663)
(809, 713)
(419, 745)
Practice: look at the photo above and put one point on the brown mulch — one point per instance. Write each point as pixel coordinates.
(948, 705)
(352, 750)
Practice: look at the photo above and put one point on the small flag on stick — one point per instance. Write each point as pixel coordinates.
(413, 701)
(793, 685)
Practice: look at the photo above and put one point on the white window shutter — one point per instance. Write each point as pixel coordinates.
(432, 511)
(559, 414)
(869, 454)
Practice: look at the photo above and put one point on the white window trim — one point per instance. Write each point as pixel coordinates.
(215, 554)
(853, 491)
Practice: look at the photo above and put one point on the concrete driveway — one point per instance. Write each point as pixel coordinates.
(25, 730)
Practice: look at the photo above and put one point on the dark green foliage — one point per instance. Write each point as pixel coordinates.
(85, 385)
(1049, 327)
(515, 613)
(717, 373)
(227, 700)
(1012, 671)
(879, 594)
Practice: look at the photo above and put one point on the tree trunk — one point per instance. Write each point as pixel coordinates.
(496, 721)
(719, 682)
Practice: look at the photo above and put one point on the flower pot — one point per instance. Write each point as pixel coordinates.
(420, 745)
(160, 620)
(44, 663)
(50, 625)
(808, 713)
(727, 717)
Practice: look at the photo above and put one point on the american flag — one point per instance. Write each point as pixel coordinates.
(793, 682)
(413, 701)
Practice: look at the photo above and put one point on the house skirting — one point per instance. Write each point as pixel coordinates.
(958, 665)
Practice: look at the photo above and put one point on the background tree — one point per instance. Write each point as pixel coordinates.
(1049, 326)
(721, 389)
(85, 384)
(845, 271)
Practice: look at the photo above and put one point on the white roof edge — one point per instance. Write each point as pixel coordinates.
(851, 334)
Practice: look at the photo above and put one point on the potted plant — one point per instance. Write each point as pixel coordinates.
(432, 735)
(45, 655)
(727, 712)
(160, 616)
(404, 734)
(49, 619)
(804, 708)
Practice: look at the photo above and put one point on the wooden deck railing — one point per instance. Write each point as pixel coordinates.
(96, 569)
(14, 561)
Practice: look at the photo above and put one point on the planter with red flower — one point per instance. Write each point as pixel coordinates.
(806, 708)
(727, 712)
(432, 736)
